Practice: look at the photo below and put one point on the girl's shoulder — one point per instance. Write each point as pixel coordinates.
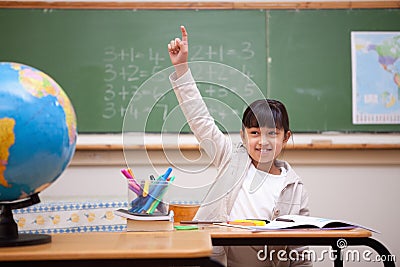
(291, 175)
(239, 147)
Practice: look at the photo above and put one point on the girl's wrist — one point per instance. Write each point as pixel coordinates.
(181, 69)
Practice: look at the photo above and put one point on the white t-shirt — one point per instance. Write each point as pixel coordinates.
(257, 200)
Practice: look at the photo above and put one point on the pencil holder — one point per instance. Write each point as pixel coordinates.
(147, 197)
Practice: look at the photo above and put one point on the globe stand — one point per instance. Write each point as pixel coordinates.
(9, 236)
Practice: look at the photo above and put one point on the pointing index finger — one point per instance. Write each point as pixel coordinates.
(184, 34)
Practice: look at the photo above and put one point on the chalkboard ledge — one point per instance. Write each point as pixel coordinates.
(300, 141)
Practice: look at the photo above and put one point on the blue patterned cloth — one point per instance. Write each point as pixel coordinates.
(70, 217)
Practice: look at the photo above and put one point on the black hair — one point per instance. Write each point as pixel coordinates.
(266, 113)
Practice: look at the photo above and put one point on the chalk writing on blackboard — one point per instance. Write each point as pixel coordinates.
(154, 108)
(127, 68)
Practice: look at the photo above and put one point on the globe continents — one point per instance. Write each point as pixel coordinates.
(37, 131)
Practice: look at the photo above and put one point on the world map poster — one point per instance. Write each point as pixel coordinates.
(376, 77)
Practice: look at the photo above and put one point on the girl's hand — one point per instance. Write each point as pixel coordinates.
(178, 53)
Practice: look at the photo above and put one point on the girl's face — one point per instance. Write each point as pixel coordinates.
(264, 145)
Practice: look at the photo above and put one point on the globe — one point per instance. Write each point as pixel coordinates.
(37, 141)
(38, 131)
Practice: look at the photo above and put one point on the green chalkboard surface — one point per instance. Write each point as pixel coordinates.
(311, 65)
(103, 57)
(114, 63)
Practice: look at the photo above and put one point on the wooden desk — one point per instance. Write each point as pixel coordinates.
(183, 248)
(122, 249)
(230, 236)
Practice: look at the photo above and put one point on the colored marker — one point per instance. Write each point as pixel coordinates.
(126, 174)
(130, 178)
(248, 222)
(146, 188)
(157, 190)
(156, 202)
(166, 174)
(132, 184)
(134, 189)
(130, 172)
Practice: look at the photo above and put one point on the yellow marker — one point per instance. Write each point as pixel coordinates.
(249, 222)
(146, 188)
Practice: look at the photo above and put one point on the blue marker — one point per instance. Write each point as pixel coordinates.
(166, 174)
(157, 189)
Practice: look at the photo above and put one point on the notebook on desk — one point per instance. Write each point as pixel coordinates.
(300, 222)
(291, 222)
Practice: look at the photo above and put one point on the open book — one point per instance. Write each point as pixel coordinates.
(299, 221)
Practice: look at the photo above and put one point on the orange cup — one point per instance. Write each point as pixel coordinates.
(183, 212)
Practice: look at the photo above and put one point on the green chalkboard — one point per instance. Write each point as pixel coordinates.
(114, 65)
(311, 66)
(104, 60)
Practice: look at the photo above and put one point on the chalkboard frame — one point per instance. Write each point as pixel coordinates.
(171, 5)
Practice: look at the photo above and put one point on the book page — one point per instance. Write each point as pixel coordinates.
(299, 221)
